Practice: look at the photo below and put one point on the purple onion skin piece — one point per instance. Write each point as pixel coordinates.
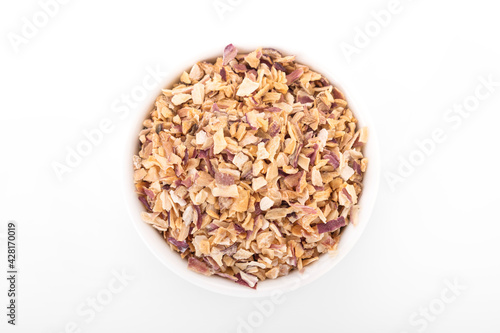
(332, 225)
(229, 54)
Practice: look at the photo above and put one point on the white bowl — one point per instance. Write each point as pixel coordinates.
(295, 279)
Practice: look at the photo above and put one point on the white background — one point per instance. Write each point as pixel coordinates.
(439, 224)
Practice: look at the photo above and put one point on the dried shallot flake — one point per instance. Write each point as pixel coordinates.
(250, 166)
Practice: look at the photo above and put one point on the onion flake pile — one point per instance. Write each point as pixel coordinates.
(251, 166)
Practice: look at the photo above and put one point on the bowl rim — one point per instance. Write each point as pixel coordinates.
(295, 279)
